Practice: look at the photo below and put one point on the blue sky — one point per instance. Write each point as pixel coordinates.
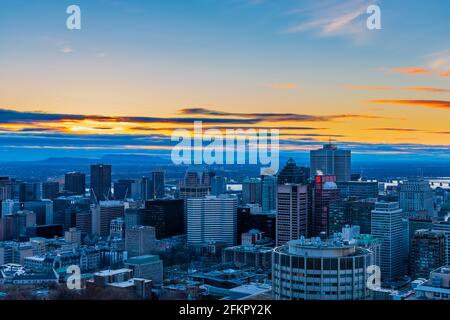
(153, 59)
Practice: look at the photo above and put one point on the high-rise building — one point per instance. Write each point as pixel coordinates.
(292, 174)
(123, 189)
(50, 190)
(218, 185)
(158, 184)
(212, 219)
(387, 227)
(292, 212)
(351, 212)
(427, 252)
(316, 270)
(101, 182)
(445, 227)
(416, 196)
(358, 189)
(75, 182)
(103, 213)
(325, 191)
(269, 193)
(331, 161)
(248, 219)
(251, 191)
(167, 216)
(5, 188)
(84, 223)
(140, 240)
(30, 191)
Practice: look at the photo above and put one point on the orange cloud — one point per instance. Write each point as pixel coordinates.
(439, 104)
(433, 90)
(445, 74)
(411, 70)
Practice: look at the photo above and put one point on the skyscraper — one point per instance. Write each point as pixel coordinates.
(30, 191)
(50, 190)
(428, 252)
(387, 227)
(101, 182)
(325, 191)
(351, 212)
(158, 184)
(331, 161)
(416, 196)
(103, 213)
(5, 188)
(75, 182)
(167, 216)
(123, 189)
(140, 240)
(309, 269)
(212, 219)
(251, 191)
(269, 193)
(291, 173)
(444, 226)
(218, 185)
(292, 212)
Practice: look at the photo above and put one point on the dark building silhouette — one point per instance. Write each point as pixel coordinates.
(158, 184)
(166, 216)
(101, 182)
(30, 191)
(50, 190)
(428, 252)
(75, 183)
(264, 222)
(122, 189)
(351, 212)
(293, 174)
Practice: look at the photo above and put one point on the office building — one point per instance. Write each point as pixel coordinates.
(437, 287)
(292, 212)
(249, 218)
(158, 184)
(123, 189)
(30, 191)
(427, 252)
(103, 213)
(416, 196)
(444, 226)
(331, 161)
(148, 267)
(387, 227)
(50, 190)
(101, 182)
(269, 193)
(292, 174)
(218, 185)
(325, 191)
(358, 189)
(73, 236)
(320, 270)
(167, 216)
(212, 219)
(140, 240)
(351, 212)
(251, 191)
(75, 183)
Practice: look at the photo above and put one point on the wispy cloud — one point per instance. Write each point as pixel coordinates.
(437, 64)
(436, 104)
(333, 18)
(381, 88)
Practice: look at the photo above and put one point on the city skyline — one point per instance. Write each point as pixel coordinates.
(137, 70)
